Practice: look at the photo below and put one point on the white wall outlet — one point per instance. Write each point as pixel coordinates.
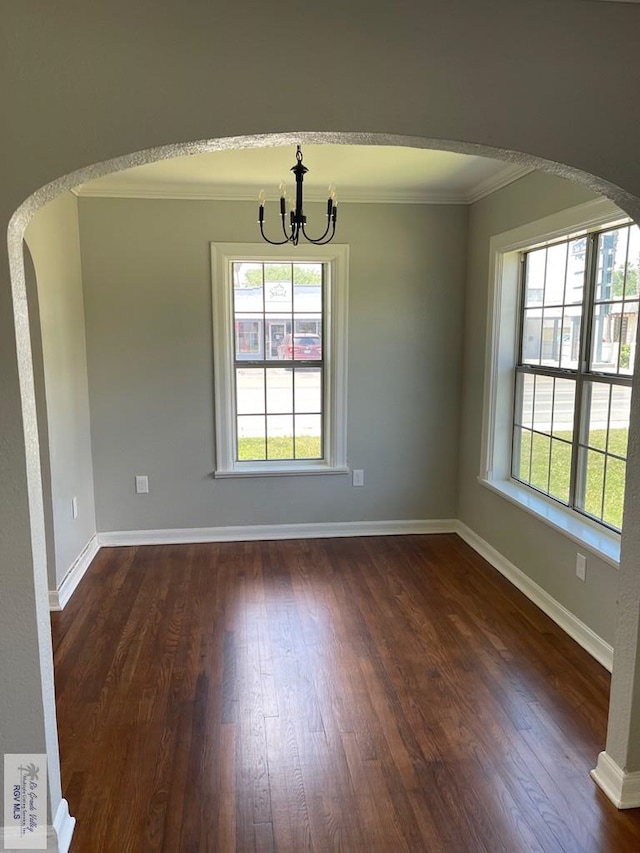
(358, 477)
(74, 507)
(142, 484)
(581, 567)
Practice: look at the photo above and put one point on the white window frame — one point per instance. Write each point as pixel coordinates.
(501, 355)
(335, 308)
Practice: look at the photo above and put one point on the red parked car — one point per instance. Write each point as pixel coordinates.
(303, 347)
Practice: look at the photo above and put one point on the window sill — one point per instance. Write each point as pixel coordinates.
(280, 471)
(600, 541)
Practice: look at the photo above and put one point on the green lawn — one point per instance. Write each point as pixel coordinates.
(279, 447)
(554, 478)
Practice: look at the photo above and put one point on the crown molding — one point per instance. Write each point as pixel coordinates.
(512, 172)
(188, 192)
(191, 192)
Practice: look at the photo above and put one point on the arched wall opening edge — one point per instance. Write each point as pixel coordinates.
(16, 229)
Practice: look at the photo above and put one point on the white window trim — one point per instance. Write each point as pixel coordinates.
(335, 350)
(500, 360)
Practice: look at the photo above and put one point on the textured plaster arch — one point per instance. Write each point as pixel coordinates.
(17, 226)
(26, 211)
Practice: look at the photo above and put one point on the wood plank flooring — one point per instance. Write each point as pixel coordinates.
(367, 695)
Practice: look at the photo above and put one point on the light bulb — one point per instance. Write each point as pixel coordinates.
(262, 198)
(283, 189)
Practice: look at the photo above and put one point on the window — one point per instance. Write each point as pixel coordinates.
(279, 360)
(578, 321)
(561, 333)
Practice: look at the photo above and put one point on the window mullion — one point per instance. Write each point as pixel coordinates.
(518, 405)
(521, 305)
(266, 412)
(564, 298)
(578, 469)
(578, 463)
(589, 302)
(544, 299)
(293, 412)
(533, 424)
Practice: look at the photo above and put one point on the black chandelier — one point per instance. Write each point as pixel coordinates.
(297, 219)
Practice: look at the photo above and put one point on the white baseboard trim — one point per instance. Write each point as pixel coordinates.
(63, 826)
(60, 597)
(58, 835)
(574, 627)
(623, 789)
(244, 533)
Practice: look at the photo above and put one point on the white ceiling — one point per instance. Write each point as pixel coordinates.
(361, 173)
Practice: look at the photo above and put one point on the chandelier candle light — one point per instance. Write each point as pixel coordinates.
(297, 219)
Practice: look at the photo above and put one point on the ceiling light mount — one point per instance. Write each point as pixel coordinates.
(297, 219)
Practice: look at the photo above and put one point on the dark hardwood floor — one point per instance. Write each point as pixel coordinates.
(378, 695)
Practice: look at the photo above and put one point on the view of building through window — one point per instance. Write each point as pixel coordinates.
(579, 320)
(278, 320)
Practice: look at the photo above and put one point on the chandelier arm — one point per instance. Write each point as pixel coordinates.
(333, 233)
(329, 239)
(320, 240)
(273, 242)
(288, 236)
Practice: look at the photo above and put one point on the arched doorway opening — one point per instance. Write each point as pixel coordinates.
(29, 208)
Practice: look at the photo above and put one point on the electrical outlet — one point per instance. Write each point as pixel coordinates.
(358, 477)
(74, 507)
(581, 567)
(142, 484)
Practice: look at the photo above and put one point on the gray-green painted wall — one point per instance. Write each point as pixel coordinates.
(147, 280)
(53, 241)
(545, 555)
